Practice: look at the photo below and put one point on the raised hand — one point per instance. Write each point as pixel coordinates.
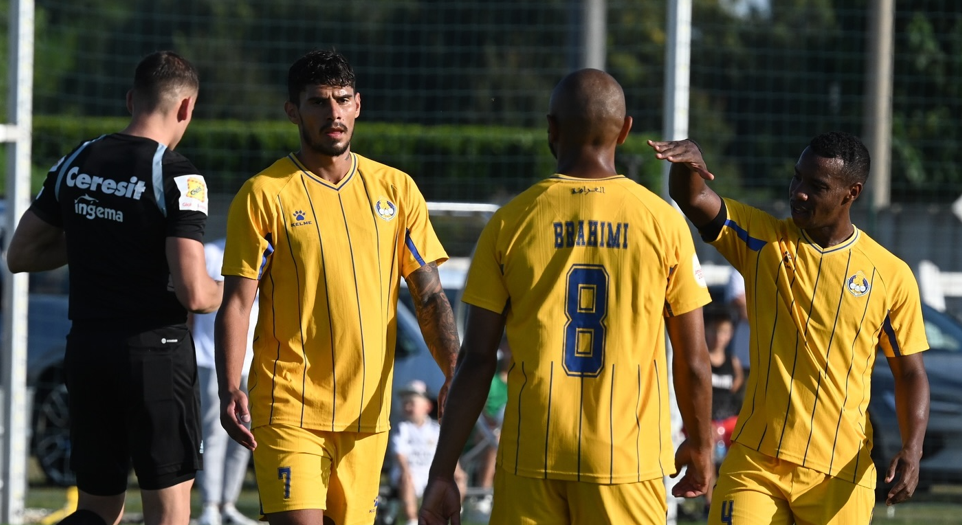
(682, 152)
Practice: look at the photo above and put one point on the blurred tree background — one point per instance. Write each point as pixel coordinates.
(765, 76)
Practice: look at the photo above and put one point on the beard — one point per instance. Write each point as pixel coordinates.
(324, 147)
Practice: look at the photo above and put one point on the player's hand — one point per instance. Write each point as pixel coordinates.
(443, 396)
(700, 471)
(682, 152)
(441, 503)
(236, 419)
(905, 467)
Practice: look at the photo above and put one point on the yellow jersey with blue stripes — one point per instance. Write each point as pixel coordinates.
(586, 271)
(817, 317)
(329, 258)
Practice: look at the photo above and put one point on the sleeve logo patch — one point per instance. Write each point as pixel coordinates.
(193, 193)
(857, 284)
(385, 209)
(698, 272)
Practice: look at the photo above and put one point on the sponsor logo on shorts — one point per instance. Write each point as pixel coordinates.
(300, 219)
(164, 340)
(88, 208)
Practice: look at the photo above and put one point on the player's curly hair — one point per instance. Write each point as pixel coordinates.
(841, 145)
(318, 68)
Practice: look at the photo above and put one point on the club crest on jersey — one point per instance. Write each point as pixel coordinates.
(385, 209)
(300, 219)
(857, 284)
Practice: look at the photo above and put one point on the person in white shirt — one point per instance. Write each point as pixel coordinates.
(413, 442)
(225, 460)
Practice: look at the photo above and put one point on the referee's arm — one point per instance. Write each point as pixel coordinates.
(36, 246)
(188, 270)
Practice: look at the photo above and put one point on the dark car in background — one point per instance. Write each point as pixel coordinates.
(47, 327)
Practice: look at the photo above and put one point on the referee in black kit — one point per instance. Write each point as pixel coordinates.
(127, 214)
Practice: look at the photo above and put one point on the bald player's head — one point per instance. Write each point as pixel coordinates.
(588, 107)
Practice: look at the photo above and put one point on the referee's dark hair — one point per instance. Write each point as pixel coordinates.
(161, 78)
(840, 145)
(318, 68)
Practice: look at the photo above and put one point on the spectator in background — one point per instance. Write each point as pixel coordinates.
(225, 460)
(735, 298)
(726, 369)
(413, 443)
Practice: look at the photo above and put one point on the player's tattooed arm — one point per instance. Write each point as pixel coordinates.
(436, 319)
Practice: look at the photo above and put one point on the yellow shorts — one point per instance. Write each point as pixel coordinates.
(338, 472)
(754, 488)
(530, 501)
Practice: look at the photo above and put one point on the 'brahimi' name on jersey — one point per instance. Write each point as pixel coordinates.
(593, 234)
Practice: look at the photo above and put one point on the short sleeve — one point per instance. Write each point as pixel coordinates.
(46, 206)
(746, 231)
(250, 222)
(186, 198)
(903, 330)
(485, 285)
(421, 245)
(686, 289)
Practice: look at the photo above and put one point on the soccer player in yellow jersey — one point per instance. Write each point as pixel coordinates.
(585, 270)
(822, 296)
(326, 235)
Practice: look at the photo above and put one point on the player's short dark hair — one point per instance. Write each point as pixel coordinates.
(840, 145)
(162, 76)
(318, 68)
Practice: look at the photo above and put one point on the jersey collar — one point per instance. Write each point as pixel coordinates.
(336, 187)
(561, 176)
(847, 243)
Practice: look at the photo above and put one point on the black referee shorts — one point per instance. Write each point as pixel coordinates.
(134, 401)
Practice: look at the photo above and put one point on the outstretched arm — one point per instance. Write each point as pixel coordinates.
(36, 246)
(912, 410)
(469, 391)
(436, 319)
(230, 345)
(691, 370)
(686, 180)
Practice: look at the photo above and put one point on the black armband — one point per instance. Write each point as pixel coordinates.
(709, 232)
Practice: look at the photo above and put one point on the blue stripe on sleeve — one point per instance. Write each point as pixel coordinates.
(413, 248)
(753, 243)
(890, 332)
